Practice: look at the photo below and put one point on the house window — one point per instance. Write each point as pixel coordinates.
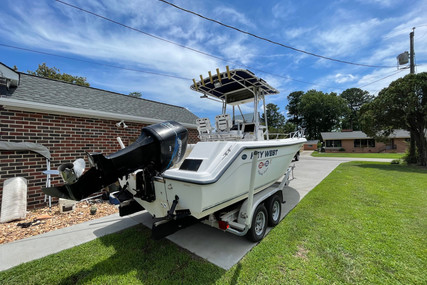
(391, 145)
(364, 143)
(333, 143)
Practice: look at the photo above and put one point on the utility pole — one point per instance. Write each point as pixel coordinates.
(412, 155)
(411, 52)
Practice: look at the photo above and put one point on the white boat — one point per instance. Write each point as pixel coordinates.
(223, 180)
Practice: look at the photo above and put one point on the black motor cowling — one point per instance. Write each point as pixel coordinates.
(158, 148)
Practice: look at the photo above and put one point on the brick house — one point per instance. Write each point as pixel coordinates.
(69, 120)
(311, 145)
(357, 141)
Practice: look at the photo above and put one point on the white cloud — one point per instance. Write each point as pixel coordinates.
(233, 16)
(381, 3)
(297, 32)
(347, 39)
(283, 9)
(344, 78)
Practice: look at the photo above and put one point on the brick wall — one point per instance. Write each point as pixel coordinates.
(400, 146)
(311, 146)
(67, 138)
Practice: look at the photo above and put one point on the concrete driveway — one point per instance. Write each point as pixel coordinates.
(225, 249)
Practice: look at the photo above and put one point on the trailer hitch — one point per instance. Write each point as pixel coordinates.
(173, 222)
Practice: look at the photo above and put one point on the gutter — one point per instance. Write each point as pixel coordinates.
(14, 104)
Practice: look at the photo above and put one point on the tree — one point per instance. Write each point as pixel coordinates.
(54, 73)
(355, 99)
(321, 112)
(289, 127)
(402, 105)
(135, 94)
(294, 108)
(275, 119)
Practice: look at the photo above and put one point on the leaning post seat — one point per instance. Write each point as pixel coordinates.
(204, 128)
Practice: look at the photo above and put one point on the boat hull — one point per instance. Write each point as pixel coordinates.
(225, 177)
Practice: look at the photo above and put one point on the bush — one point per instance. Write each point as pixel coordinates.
(341, 149)
(395, 161)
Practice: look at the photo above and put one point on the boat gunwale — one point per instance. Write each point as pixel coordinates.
(219, 175)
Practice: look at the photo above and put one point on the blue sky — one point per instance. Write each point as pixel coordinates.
(365, 31)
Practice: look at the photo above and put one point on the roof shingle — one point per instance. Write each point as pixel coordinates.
(48, 91)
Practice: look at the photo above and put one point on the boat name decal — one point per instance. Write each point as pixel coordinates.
(265, 153)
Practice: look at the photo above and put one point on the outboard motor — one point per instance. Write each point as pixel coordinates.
(158, 148)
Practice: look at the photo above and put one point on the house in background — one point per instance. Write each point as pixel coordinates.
(357, 141)
(311, 145)
(68, 120)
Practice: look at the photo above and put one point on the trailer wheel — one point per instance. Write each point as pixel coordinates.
(274, 208)
(259, 224)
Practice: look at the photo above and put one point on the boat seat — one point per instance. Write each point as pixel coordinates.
(204, 128)
(224, 125)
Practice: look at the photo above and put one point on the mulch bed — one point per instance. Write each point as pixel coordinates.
(44, 220)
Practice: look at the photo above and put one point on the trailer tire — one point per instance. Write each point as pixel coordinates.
(259, 224)
(274, 208)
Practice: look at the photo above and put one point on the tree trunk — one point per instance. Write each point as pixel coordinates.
(412, 157)
(421, 143)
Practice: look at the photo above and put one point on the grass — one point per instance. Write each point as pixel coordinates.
(365, 223)
(359, 155)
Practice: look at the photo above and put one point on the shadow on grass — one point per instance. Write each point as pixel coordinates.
(236, 275)
(391, 167)
(138, 258)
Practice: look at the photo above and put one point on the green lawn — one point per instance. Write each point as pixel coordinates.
(359, 155)
(365, 223)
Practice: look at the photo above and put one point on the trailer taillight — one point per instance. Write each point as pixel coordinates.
(223, 225)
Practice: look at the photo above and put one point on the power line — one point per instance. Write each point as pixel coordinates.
(183, 46)
(97, 63)
(394, 73)
(169, 75)
(271, 41)
(139, 70)
(139, 31)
